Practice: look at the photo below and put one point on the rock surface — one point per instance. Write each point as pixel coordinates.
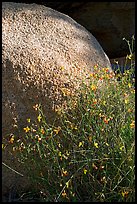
(109, 22)
(43, 53)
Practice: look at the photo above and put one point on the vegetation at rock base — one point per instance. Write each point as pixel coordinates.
(90, 155)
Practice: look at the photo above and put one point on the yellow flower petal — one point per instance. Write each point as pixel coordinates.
(129, 56)
(64, 194)
(122, 148)
(129, 85)
(64, 173)
(126, 101)
(66, 91)
(85, 171)
(28, 120)
(42, 131)
(11, 140)
(59, 154)
(125, 193)
(132, 125)
(93, 87)
(39, 118)
(96, 144)
(81, 144)
(57, 130)
(27, 129)
(67, 184)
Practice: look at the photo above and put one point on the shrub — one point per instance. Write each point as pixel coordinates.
(90, 156)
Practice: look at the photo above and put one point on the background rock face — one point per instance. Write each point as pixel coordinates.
(109, 22)
(36, 42)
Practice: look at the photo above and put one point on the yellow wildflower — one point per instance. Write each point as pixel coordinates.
(126, 101)
(11, 139)
(133, 91)
(100, 115)
(27, 129)
(125, 193)
(122, 148)
(65, 157)
(64, 173)
(126, 72)
(103, 180)
(64, 194)
(39, 118)
(39, 139)
(66, 92)
(67, 184)
(116, 61)
(106, 76)
(129, 85)
(96, 144)
(129, 110)
(72, 126)
(85, 171)
(75, 128)
(59, 154)
(67, 153)
(91, 74)
(104, 103)
(125, 95)
(94, 101)
(132, 125)
(93, 87)
(129, 56)
(57, 130)
(106, 120)
(107, 144)
(95, 66)
(106, 69)
(81, 144)
(28, 120)
(42, 131)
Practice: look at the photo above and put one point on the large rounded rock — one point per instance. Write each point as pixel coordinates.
(36, 43)
(44, 52)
